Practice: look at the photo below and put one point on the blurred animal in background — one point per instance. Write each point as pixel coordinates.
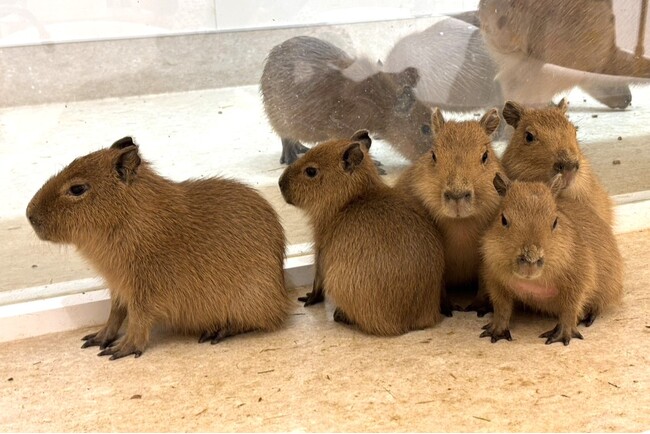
(313, 92)
(543, 48)
(456, 70)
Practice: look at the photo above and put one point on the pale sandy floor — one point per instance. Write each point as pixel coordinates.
(316, 375)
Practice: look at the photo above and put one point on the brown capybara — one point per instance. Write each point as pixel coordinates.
(379, 257)
(543, 48)
(544, 144)
(551, 254)
(313, 92)
(453, 181)
(198, 256)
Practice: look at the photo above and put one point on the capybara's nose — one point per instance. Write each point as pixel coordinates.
(566, 166)
(282, 182)
(523, 260)
(30, 215)
(457, 196)
(284, 188)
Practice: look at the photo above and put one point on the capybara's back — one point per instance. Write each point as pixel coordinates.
(384, 265)
(238, 243)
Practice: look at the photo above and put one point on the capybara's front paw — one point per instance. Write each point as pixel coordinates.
(495, 334)
(312, 298)
(122, 349)
(291, 149)
(379, 166)
(481, 306)
(561, 334)
(100, 339)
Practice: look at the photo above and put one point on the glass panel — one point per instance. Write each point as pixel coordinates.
(183, 78)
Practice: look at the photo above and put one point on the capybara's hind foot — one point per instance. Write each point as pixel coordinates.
(561, 334)
(290, 151)
(341, 317)
(489, 330)
(311, 298)
(481, 306)
(588, 319)
(215, 337)
(447, 308)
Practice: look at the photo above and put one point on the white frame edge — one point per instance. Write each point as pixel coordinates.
(86, 302)
(66, 307)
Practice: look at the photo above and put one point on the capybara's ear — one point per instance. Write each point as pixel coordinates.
(512, 113)
(409, 77)
(490, 121)
(563, 105)
(127, 164)
(437, 121)
(362, 137)
(124, 142)
(352, 157)
(501, 184)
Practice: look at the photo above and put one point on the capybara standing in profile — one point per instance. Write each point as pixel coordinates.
(551, 254)
(313, 92)
(453, 182)
(543, 48)
(379, 257)
(199, 256)
(544, 144)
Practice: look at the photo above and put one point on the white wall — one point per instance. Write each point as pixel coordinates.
(244, 14)
(25, 22)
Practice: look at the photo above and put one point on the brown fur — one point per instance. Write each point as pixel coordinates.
(578, 35)
(380, 259)
(200, 256)
(458, 169)
(582, 270)
(554, 148)
(311, 94)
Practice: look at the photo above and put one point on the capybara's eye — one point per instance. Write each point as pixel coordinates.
(555, 223)
(485, 157)
(504, 221)
(78, 189)
(433, 156)
(530, 138)
(311, 172)
(426, 129)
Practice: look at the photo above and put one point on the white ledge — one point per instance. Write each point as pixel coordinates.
(81, 303)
